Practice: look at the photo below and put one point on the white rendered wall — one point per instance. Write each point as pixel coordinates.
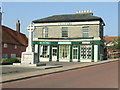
(95, 53)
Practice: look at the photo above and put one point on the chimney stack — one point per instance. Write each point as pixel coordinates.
(84, 12)
(18, 26)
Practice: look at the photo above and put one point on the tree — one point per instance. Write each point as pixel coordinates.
(116, 44)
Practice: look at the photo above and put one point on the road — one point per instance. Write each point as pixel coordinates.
(98, 76)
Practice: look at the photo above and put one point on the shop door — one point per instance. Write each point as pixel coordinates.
(54, 53)
(86, 52)
(75, 53)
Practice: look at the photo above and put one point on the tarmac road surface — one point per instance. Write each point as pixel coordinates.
(98, 76)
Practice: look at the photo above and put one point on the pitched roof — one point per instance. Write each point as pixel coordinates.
(13, 37)
(68, 18)
(108, 39)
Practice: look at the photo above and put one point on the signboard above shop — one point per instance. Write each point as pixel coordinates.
(60, 43)
(64, 42)
(85, 42)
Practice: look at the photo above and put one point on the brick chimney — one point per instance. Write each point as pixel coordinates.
(18, 26)
(85, 12)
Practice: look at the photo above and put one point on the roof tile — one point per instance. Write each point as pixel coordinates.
(67, 18)
(13, 37)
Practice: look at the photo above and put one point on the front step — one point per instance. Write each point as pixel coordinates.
(50, 66)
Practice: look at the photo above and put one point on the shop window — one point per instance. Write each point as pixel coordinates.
(5, 45)
(85, 31)
(86, 52)
(64, 31)
(44, 51)
(64, 52)
(45, 32)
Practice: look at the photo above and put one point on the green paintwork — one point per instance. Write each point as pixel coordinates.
(78, 53)
(96, 42)
(38, 52)
(72, 43)
(70, 53)
(58, 53)
(98, 53)
(50, 53)
(92, 53)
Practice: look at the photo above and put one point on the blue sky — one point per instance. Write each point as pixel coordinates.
(29, 11)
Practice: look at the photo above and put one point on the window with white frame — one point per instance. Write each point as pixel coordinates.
(86, 51)
(64, 31)
(45, 32)
(5, 45)
(15, 46)
(13, 55)
(4, 55)
(85, 31)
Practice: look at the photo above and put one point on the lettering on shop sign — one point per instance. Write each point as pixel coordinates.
(85, 42)
(44, 43)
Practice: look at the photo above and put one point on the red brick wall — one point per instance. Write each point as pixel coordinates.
(11, 50)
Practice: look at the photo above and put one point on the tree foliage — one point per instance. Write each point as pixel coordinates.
(115, 44)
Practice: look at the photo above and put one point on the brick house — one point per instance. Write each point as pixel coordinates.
(112, 53)
(69, 38)
(0, 34)
(13, 42)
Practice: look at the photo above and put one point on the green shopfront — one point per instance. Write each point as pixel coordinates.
(82, 51)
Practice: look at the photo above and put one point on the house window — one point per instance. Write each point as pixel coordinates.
(4, 55)
(15, 46)
(85, 32)
(64, 32)
(5, 45)
(13, 55)
(45, 32)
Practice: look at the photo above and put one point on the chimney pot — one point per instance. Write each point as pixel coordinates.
(77, 12)
(18, 26)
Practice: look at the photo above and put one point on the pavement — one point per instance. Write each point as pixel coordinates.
(13, 73)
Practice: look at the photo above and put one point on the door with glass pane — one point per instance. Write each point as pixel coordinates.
(54, 53)
(75, 53)
(86, 52)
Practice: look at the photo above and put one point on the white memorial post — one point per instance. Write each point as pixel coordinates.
(28, 56)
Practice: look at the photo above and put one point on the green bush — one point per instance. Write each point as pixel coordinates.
(11, 60)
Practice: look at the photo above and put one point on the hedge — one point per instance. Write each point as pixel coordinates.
(9, 61)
